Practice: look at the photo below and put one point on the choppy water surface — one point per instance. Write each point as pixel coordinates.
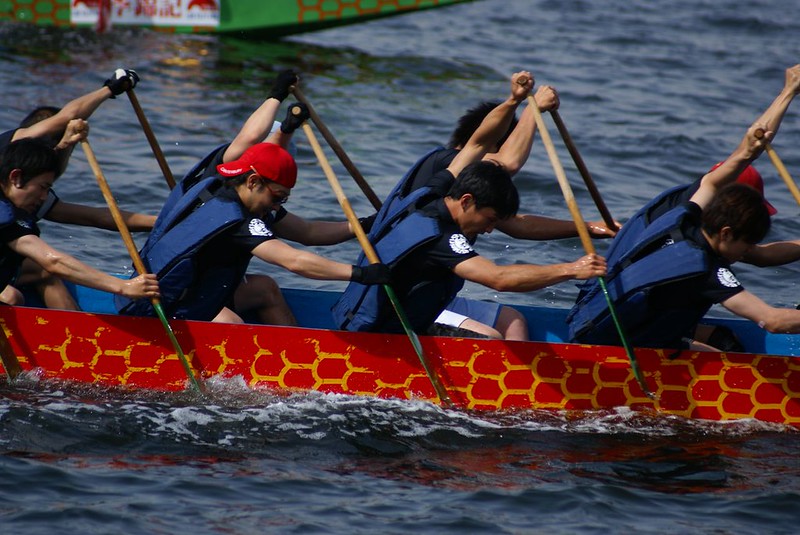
(653, 94)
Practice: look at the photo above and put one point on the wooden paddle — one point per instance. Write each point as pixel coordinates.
(7, 356)
(584, 171)
(151, 138)
(776, 161)
(137, 260)
(337, 148)
(586, 241)
(372, 256)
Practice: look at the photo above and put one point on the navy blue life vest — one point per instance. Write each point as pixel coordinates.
(367, 308)
(197, 173)
(11, 261)
(645, 257)
(191, 222)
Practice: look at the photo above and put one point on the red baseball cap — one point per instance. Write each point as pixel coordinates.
(269, 160)
(751, 177)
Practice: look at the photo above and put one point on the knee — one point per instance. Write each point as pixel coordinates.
(512, 324)
(12, 296)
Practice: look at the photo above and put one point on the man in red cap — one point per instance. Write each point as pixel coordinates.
(672, 260)
(203, 240)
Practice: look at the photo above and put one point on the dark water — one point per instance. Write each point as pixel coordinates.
(653, 93)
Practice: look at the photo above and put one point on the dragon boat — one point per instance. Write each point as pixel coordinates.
(103, 348)
(273, 18)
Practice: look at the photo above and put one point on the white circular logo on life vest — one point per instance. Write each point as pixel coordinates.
(258, 228)
(727, 278)
(460, 244)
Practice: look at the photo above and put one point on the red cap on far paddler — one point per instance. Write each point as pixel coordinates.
(751, 177)
(269, 160)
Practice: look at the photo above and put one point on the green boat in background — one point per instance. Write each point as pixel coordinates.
(272, 18)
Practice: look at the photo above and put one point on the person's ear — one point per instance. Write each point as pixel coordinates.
(726, 233)
(466, 201)
(15, 177)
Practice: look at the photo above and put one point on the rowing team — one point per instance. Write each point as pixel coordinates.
(663, 270)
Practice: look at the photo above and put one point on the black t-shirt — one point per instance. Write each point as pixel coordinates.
(236, 244)
(429, 168)
(673, 200)
(21, 226)
(698, 293)
(421, 279)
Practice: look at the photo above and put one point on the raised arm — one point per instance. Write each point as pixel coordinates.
(751, 145)
(81, 107)
(517, 148)
(494, 125)
(259, 124)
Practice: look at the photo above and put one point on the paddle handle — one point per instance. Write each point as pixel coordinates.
(586, 241)
(566, 190)
(337, 148)
(349, 213)
(151, 138)
(787, 178)
(112, 205)
(584, 171)
(137, 259)
(372, 256)
(776, 161)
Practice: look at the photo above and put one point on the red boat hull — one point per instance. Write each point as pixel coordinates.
(478, 374)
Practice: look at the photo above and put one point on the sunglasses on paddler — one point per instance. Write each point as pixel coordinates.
(280, 197)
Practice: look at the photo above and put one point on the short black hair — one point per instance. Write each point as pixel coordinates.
(741, 208)
(490, 185)
(38, 114)
(30, 155)
(471, 120)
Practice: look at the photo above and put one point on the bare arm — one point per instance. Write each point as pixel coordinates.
(750, 147)
(517, 148)
(494, 125)
(528, 277)
(79, 108)
(773, 254)
(303, 263)
(89, 216)
(774, 320)
(297, 229)
(67, 267)
(254, 130)
(259, 124)
(533, 227)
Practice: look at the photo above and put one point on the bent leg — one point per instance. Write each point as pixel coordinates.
(52, 290)
(226, 315)
(512, 324)
(12, 296)
(261, 294)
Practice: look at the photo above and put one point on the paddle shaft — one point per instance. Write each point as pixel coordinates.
(584, 171)
(151, 138)
(372, 256)
(337, 148)
(7, 356)
(787, 178)
(583, 233)
(137, 260)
